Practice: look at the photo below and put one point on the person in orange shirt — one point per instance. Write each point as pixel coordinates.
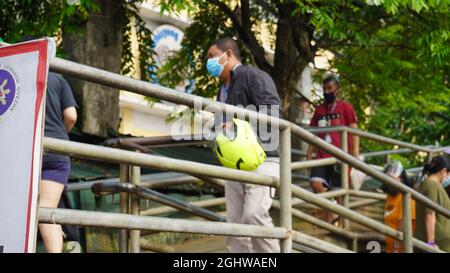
(393, 210)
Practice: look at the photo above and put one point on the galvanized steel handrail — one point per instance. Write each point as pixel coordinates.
(140, 87)
(145, 160)
(358, 164)
(135, 222)
(122, 82)
(121, 156)
(376, 137)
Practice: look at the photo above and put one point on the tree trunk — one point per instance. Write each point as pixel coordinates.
(99, 45)
(292, 55)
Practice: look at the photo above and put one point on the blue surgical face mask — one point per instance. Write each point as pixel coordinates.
(214, 67)
(446, 182)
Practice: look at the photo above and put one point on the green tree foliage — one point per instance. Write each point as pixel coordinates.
(54, 17)
(396, 73)
(41, 18)
(145, 43)
(392, 56)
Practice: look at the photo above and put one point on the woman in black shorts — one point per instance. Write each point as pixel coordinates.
(60, 117)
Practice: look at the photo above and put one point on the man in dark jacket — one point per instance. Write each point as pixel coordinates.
(253, 89)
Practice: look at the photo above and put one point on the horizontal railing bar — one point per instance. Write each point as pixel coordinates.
(313, 163)
(388, 140)
(96, 152)
(148, 180)
(365, 236)
(328, 195)
(135, 159)
(356, 163)
(362, 203)
(317, 244)
(124, 221)
(114, 80)
(387, 152)
(115, 220)
(116, 155)
(140, 87)
(317, 222)
(371, 136)
(304, 249)
(366, 194)
(440, 149)
(353, 216)
(318, 130)
(200, 204)
(144, 88)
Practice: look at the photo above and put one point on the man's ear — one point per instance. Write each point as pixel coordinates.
(229, 53)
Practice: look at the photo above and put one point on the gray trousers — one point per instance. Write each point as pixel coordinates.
(250, 204)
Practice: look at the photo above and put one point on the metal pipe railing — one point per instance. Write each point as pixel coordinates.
(114, 80)
(317, 222)
(135, 235)
(115, 220)
(285, 188)
(147, 180)
(149, 194)
(124, 208)
(121, 156)
(371, 136)
(276, 204)
(138, 159)
(137, 222)
(407, 223)
(366, 194)
(355, 217)
(168, 209)
(145, 160)
(144, 88)
(354, 162)
(313, 163)
(327, 195)
(362, 203)
(344, 175)
(121, 82)
(314, 243)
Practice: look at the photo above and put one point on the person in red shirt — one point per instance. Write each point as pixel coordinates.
(332, 112)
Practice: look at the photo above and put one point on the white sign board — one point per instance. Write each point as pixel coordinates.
(23, 79)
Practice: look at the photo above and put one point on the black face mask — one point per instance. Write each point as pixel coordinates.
(329, 97)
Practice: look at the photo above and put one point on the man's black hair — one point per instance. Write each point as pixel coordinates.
(228, 43)
(331, 78)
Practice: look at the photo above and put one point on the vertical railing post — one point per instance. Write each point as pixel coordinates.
(135, 235)
(123, 233)
(407, 223)
(344, 176)
(355, 244)
(429, 157)
(285, 188)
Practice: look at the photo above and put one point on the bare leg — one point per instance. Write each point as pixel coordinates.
(49, 195)
(318, 187)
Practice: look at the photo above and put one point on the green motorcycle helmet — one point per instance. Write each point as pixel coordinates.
(243, 151)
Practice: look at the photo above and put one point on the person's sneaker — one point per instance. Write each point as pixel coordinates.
(71, 247)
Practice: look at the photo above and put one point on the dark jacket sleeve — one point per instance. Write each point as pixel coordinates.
(263, 91)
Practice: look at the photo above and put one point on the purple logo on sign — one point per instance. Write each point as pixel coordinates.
(7, 91)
